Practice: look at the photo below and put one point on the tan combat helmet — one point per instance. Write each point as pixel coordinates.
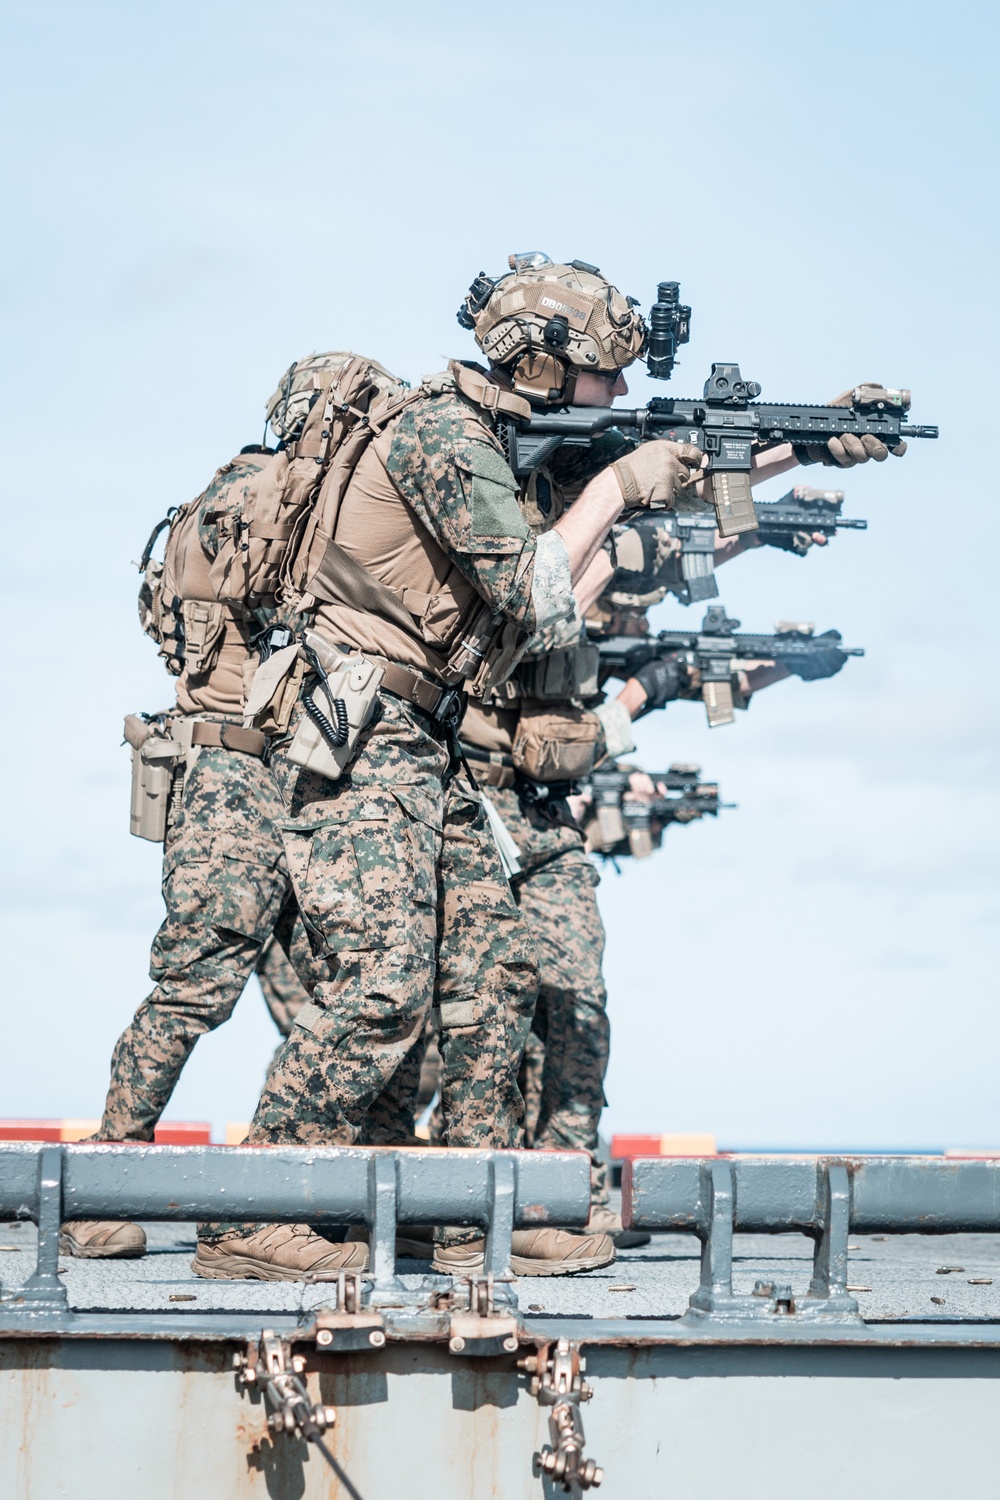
(287, 408)
(542, 322)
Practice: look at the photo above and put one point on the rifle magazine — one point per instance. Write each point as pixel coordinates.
(718, 700)
(734, 507)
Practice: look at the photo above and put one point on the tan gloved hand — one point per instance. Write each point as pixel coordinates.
(846, 451)
(656, 472)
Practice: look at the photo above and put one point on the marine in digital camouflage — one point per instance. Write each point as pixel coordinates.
(224, 878)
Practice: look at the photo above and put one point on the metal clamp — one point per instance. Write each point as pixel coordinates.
(475, 1325)
(349, 1324)
(827, 1298)
(557, 1381)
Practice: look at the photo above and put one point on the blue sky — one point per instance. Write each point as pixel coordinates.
(197, 194)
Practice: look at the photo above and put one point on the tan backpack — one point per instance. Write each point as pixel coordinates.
(256, 540)
(187, 630)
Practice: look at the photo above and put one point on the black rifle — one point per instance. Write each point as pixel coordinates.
(787, 523)
(626, 826)
(726, 422)
(712, 649)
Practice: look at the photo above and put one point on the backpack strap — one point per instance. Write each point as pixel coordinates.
(147, 551)
(341, 580)
(477, 387)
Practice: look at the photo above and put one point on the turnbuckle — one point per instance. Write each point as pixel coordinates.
(277, 1373)
(557, 1381)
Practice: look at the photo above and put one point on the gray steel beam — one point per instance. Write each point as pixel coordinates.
(296, 1183)
(381, 1187)
(825, 1198)
(772, 1195)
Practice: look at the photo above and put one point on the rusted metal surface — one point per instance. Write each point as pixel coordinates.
(86, 1421)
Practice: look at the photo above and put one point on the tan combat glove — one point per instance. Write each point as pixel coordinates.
(844, 452)
(656, 473)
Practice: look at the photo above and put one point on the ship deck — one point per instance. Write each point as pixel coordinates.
(910, 1288)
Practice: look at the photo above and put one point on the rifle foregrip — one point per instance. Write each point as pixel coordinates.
(734, 507)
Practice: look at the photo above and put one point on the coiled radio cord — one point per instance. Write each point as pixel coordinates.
(336, 737)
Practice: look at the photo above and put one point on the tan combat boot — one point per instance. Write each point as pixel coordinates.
(604, 1220)
(102, 1239)
(413, 1241)
(276, 1252)
(534, 1252)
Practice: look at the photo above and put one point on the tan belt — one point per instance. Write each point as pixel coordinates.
(415, 689)
(229, 737)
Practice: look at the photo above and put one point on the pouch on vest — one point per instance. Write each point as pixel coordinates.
(551, 746)
(336, 710)
(204, 627)
(486, 653)
(560, 675)
(156, 764)
(607, 835)
(159, 604)
(274, 691)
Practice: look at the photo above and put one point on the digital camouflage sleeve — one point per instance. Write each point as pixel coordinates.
(447, 465)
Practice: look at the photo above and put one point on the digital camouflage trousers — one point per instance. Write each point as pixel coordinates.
(226, 890)
(278, 974)
(400, 885)
(566, 1054)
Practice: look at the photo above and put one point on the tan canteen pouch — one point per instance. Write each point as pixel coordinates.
(156, 762)
(556, 746)
(340, 707)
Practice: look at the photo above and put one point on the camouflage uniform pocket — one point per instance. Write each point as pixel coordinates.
(353, 873)
(423, 833)
(222, 892)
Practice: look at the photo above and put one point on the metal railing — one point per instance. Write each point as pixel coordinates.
(824, 1198)
(497, 1191)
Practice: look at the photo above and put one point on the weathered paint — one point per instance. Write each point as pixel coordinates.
(87, 1420)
